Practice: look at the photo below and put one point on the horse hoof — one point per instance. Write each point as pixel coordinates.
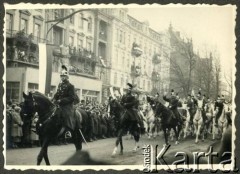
(177, 142)
(196, 142)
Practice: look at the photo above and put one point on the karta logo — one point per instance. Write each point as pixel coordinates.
(152, 160)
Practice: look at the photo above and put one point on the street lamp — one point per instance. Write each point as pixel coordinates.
(136, 52)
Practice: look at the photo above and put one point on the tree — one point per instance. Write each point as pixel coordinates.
(217, 74)
(182, 61)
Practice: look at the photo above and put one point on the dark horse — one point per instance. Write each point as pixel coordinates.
(168, 120)
(49, 125)
(123, 123)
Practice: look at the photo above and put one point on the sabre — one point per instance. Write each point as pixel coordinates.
(83, 138)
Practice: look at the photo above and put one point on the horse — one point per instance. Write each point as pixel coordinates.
(187, 125)
(168, 119)
(222, 121)
(152, 123)
(210, 121)
(123, 124)
(50, 124)
(198, 121)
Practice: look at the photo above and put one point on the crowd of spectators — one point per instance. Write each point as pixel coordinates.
(21, 132)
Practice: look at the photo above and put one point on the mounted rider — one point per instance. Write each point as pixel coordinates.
(202, 99)
(130, 103)
(65, 98)
(173, 105)
(190, 105)
(219, 105)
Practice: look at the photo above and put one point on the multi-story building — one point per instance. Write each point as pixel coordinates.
(75, 35)
(126, 30)
(95, 44)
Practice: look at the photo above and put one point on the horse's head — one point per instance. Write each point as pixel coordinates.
(36, 102)
(151, 101)
(29, 104)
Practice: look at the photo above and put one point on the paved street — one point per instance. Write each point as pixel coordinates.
(101, 150)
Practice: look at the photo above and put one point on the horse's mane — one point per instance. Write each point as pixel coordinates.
(43, 97)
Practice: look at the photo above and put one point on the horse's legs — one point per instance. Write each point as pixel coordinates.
(165, 136)
(45, 156)
(198, 128)
(43, 153)
(77, 139)
(136, 136)
(176, 135)
(119, 136)
(121, 146)
(185, 130)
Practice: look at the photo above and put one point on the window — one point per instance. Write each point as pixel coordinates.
(143, 84)
(32, 87)
(80, 25)
(9, 21)
(115, 78)
(72, 17)
(24, 25)
(37, 31)
(57, 36)
(121, 36)
(12, 92)
(122, 80)
(71, 41)
(80, 42)
(89, 46)
(89, 24)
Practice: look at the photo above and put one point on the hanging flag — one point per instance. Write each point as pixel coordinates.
(45, 67)
(102, 62)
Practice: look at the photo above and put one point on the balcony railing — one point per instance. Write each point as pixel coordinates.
(82, 53)
(15, 33)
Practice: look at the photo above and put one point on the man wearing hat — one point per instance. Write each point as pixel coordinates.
(129, 101)
(190, 106)
(64, 97)
(219, 105)
(173, 105)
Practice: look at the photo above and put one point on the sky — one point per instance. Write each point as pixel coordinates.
(211, 27)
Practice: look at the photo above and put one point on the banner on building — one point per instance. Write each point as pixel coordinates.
(45, 68)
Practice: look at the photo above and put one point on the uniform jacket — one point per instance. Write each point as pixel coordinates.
(65, 93)
(130, 103)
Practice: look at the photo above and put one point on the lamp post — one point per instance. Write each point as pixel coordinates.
(136, 52)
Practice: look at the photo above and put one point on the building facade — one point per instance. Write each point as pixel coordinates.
(126, 30)
(74, 36)
(95, 44)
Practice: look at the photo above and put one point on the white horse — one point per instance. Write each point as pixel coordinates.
(222, 121)
(151, 121)
(187, 121)
(210, 122)
(198, 121)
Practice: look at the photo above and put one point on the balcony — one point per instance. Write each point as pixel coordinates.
(21, 48)
(82, 54)
(156, 59)
(155, 76)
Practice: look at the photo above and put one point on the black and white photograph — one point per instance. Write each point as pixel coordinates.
(144, 87)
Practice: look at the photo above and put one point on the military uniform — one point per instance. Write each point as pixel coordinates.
(173, 105)
(219, 105)
(65, 97)
(130, 103)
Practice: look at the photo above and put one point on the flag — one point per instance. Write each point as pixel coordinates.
(102, 62)
(45, 67)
